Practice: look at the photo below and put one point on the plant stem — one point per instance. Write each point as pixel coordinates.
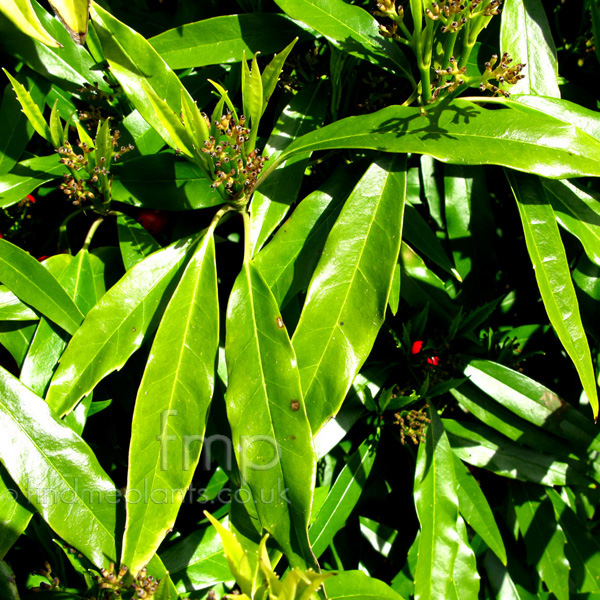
(247, 249)
(91, 232)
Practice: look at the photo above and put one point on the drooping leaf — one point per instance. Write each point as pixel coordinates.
(349, 291)
(117, 326)
(544, 539)
(135, 242)
(31, 283)
(342, 498)
(69, 489)
(451, 131)
(552, 273)
(265, 407)
(171, 408)
(437, 508)
(475, 509)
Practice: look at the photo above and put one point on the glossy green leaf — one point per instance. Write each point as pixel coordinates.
(36, 286)
(481, 446)
(135, 242)
(271, 73)
(533, 402)
(270, 204)
(380, 536)
(22, 15)
(474, 507)
(465, 579)
(27, 176)
(582, 549)
(525, 34)
(352, 585)
(289, 259)
(578, 212)
(145, 139)
(164, 182)
(195, 44)
(544, 539)
(171, 408)
(49, 341)
(350, 28)
(271, 432)
(117, 326)
(197, 561)
(16, 337)
(252, 96)
(403, 582)
(12, 309)
(342, 498)
(73, 14)
(528, 141)
(8, 584)
(552, 272)
(501, 582)
(437, 508)
(69, 489)
(348, 294)
(132, 61)
(14, 512)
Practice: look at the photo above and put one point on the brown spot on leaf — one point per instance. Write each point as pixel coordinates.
(280, 322)
(294, 405)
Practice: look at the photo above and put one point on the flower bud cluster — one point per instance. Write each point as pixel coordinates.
(234, 169)
(110, 581)
(412, 425)
(145, 585)
(454, 14)
(504, 74)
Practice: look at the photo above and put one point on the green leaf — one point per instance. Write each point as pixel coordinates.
(164, 182)
(133, 61)
(193, 44)
(36, 286)
(8, 584)
(271, 73)
(553, 275)
(30, 108)
(465, 579)
(135, 242)
(533, 402)
(482, 447)
(16, 337)
(69, 489)
(351, 585)
(474, 507)
(14, 512)
(349, 291)
(73, 14)
(117, 326)
(12, 309)
(289, 259)
(437, 508)
(270, 204)
(581, 550)
(27, 176)
(197, 561)
(501, 582)
(252, 95)
(528, 141)
(525, 34)
(271, 433)
(171, 408)
(342, 498)
(350, 28)
(22, 15)
(544, 539)
(577, 211)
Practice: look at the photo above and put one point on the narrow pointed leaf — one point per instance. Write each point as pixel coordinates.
(526, 35)
(271, 73)
(12, 309)
(529, 141)
(437, 508)
(342, 498)
(74, 16)
(36, 286)
(171, 408)
(474, 507)
(14, 512)
(116, 327)
(349, 291)
(135, 242)
(21, 13)
(69, 489)
(270, 204)
(544, 539)
(271, 433)
(553, 275)
(465, 579)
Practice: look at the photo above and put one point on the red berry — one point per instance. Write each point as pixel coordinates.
(416, 347)
(434, 361)
(30, 198)
(153, 221)
(42, 258)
